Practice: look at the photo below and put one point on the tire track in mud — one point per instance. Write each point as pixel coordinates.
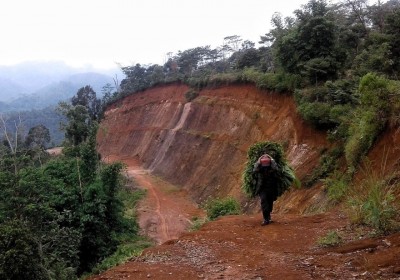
(162, 233)
(166, 211)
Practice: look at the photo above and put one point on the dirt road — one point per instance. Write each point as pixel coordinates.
(238, 247)
(166, 212)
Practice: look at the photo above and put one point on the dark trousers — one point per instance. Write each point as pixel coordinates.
(267, 201)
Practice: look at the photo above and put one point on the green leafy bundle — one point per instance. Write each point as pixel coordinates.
(285, 176)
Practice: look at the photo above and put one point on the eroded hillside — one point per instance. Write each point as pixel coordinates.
(202, 145)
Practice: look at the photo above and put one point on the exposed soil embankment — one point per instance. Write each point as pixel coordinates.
(202, 145)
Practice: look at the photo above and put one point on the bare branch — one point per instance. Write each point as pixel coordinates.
(6, 134)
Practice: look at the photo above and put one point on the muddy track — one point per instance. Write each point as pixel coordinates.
(166, 211)
(155, 227)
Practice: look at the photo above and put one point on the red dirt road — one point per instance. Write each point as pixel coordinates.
(166, 211)
(237, 247)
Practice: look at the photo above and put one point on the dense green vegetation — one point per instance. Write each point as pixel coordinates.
(62, 216)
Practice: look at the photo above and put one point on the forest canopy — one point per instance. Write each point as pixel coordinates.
(62, 216)
(321, 42)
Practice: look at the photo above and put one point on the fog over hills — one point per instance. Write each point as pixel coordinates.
(32, 78)
(31, 91)
(9, 89)
(59, 91)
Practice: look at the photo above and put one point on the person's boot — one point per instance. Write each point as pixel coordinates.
(265, 222)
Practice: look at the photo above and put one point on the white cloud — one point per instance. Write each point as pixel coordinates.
(103, 32)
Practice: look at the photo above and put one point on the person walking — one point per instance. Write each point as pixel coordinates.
(264, 172)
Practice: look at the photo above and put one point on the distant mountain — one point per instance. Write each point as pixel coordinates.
(95, 80)
(10, 90)
(52, 94)
(3, 107)
(30, 77)
(47, 96)
(35, 75)
(31, 91)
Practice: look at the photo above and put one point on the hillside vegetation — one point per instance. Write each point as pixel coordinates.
(61, 217)
(339, 61)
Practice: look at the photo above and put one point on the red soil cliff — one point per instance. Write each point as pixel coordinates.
(202, 145)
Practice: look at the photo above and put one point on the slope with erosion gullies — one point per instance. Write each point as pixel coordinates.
(201, 146)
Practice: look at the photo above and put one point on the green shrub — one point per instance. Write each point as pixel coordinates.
(375, 58)
(329, 106)
(394, 89)
(330, 240)
(317, 113)
(220, 79)
(20, 253)
(222, 207)
(251, 75)
(340, 114)
(197, 223)
(362, 134)
(369, 119)
(374, 91)
(191, 94)
(327, 164)
(125, 251)
(312, 94)
(279, 82)
(337, 186)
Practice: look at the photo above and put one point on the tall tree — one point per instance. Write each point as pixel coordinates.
(392, 29)
(38, 137)
(310, 47)
(86, 97)
(136, 79)
(78, 127)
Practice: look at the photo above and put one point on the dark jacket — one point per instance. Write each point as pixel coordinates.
(265, 178)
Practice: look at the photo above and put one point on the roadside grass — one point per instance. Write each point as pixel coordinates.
(331, 239)
(372, 201)
(337, 186)
(197, 223)
(132, 247)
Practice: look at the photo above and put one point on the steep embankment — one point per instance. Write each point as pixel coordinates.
(202, 145)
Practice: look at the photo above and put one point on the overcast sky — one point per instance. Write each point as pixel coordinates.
(105, 32)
